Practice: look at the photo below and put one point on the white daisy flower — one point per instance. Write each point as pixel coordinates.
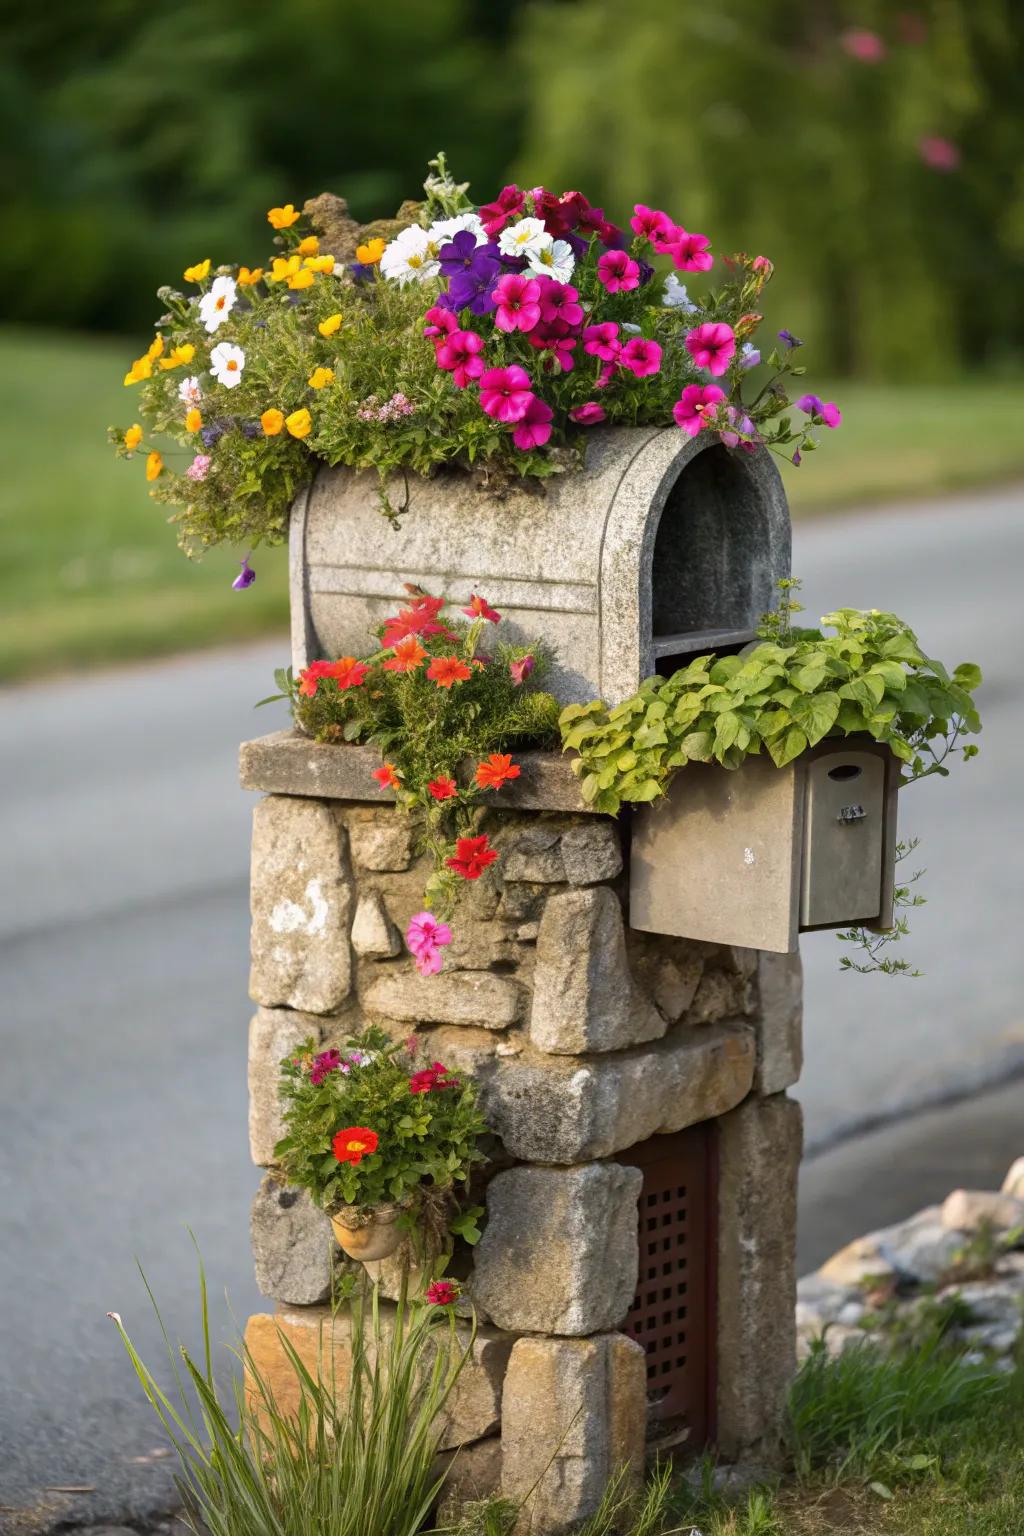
(190, 391)
(555, 261)
(217, 303)
(226, 364)
(409, 258)
(676, 296)
(443, 230)
(524, 238)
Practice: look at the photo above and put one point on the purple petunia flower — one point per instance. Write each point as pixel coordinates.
(825, 411)
(251, 429)
(790, 340)
(212, 434)
(245, 577)
(361, 273)
(472, 271)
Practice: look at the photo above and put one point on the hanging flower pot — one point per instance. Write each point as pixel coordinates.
(371, 1234)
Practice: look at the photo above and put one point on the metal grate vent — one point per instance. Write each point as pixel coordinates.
(671, 1312)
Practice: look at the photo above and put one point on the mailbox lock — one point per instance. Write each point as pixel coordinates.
(851, 813)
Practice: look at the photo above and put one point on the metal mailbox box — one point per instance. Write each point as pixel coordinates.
(755, 856)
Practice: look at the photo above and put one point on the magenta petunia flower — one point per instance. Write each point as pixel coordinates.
(650, 222)
(602, 341)
(439, 323)
(825, 411)
(323, 1065)
(588, 414)
(940, 154)
(426, 937)
(505, 393)
(497, 214)
(618, 272)
(245, 577)
(459, 355)
(641, 357)
(518, 301)
(696, 404)
(534, 426)
(712, 346)
(559, 301)
(690, 253)
(865, 46)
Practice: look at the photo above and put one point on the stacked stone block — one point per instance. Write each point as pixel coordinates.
(585, 1038)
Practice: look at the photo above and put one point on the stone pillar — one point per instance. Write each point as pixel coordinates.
(585, 1038)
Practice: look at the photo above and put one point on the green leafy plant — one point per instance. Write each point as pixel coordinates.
(872, 943)
(352, 1459)
(365, 1127)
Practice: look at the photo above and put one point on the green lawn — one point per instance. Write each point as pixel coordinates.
(90, 573)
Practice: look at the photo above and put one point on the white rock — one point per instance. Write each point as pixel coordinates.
(374, 935)
(1013, 1184)
(970, 1209)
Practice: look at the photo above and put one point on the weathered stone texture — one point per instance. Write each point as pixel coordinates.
(1013, 1184)
(573, 1417)
(668, 970)
(780, 1039)
(292, 1245)
(968, 1210)
(559, 1252)
(274, 1033)
(474, 998)
(759, 1154)
(553, 853)
(471, 1473)
(584, 998)
(323, 1344)
(374, 935)
(301, 907)
(383, 843)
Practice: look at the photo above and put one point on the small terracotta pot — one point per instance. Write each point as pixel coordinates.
(368, 1234)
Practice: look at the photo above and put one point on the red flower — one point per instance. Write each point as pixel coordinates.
(443, 788)
(446, 670)
(442, 1293)
(418, 619)
(347, 673)
(408, 656)
(354, 1143)
(480, 608)
(432, 1079)
(310, 676)
(472, 856)
(521, 669)
(496, 771)
(387, 776)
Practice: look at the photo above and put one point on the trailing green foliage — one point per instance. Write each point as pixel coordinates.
(354, 1459)
(784, 694)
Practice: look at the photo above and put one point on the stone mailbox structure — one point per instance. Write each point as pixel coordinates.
(635, 1280)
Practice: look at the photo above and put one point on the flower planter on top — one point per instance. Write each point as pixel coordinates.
(661, 547)
(368, 1235)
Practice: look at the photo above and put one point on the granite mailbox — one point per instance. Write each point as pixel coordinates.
(635, 1281)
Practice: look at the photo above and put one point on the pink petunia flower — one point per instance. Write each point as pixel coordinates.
(641, 357)
(865, 46)
(618, 272)
(518, 300)
(825, 411)
(561, 348)
(505, 393)
(459, 355)
(666, 236)
(497, 214)
(559, 301)
(695, 406)
(439, 323)
(426, 937)
(588, 414)
(648, 222)
(520, 670)
(712, 346)
(939, 154)
(690, 253)
(534, 426)
(602, 341)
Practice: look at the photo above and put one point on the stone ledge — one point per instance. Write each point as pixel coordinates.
(288, 763)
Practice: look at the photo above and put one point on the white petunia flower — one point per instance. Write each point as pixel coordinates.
(444, 230)
(524, 238)
(555, 261)
(217, 304)
(226, 364)
(409, 258)
(190, 391)
(676, 296)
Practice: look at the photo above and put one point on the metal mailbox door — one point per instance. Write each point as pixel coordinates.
(844, 839)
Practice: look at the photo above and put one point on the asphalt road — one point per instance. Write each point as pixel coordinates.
(123, 928)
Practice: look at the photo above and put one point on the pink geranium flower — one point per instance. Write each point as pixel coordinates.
(641, 357)
(820, 410)
(505, 393)
(690, 253)
(712, 346)
(534, 426)
(559, 301)
(588, 414)
(459, 354)
(695, 406)
(650, 222)
(602, 340)
(426, 937)
(863, 45)
(618, 272)
(518, 300)
(939, 154)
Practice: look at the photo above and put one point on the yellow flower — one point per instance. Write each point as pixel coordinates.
(330, 325)
(299, 423)
(193, 419)
(247, 276)
(178, 355)
(133, 437)
(142, 368)
(308, 247)
(154, 465)
(303, 279)
(272, 421)
(319, 263)
(283, 267)
(321, 376)
(156, 346)
(283, 218)
(198, 272)
(370, 253)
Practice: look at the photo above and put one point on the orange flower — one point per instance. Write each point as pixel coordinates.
(193, 419)
(178, 355)
(347, 673)
(133, 437)
(444, 788)
(247, 276)
(446, 670)
(272, 422)
(330, 325)
(198, 272)
(310, 246)
(480, 608)
(387, 776)
(283, 218)
(496, 771)
(142, 368)
(354, 1143)
(302, 279)
(154, 465)
(409, 655)
(370, 253)
(156, 346)
(299, 423)
(320, 377)
(283, 267)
